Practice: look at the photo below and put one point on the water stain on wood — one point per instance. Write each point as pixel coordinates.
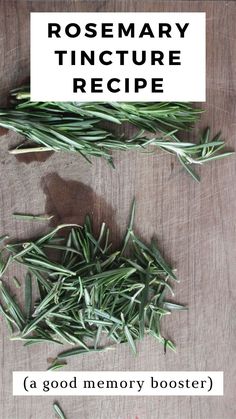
(70, 201)
(3, 131)
(31, 157)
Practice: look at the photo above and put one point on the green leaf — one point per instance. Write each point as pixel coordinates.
(28, 296)
(130, 339)
(162, 262)
(59, 412)
(129, 229)
(80, 351)
(88, 293)
(189, 169)
(4, 237)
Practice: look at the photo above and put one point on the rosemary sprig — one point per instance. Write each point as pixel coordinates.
(76, 127)
(28, 296)
(16, 282)
(147, 116)
(90, 293)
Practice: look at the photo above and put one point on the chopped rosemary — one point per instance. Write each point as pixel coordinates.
(71, 126)
(28, 296)
(57, 364)
(90, 295)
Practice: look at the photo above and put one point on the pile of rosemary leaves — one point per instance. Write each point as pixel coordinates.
(88, 292)
(78, 127)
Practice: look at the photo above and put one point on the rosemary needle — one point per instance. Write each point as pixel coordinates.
(4, 237)
(58, 410)
(79, 351)
(16, 282)
(56, 365)
(28, 296)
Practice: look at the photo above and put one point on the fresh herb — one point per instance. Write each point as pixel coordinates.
(90, 292)
(3, 238)
(27, 217)
(57, 364)
(16, 282)
(28, 296)
(58, 410)
(70, 126)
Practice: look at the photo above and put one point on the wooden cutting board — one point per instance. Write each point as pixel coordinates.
(195, 225)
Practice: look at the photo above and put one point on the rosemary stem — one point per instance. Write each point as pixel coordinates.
(29, 150)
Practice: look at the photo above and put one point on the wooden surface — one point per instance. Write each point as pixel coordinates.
(195, 225)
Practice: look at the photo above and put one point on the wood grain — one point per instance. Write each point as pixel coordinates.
(195, 225)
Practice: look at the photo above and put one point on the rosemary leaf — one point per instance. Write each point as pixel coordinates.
(16, 282)
(28, 296)
(56, 365)
(59, 412)
(130, 339)
(12, 307)
(75, 127)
